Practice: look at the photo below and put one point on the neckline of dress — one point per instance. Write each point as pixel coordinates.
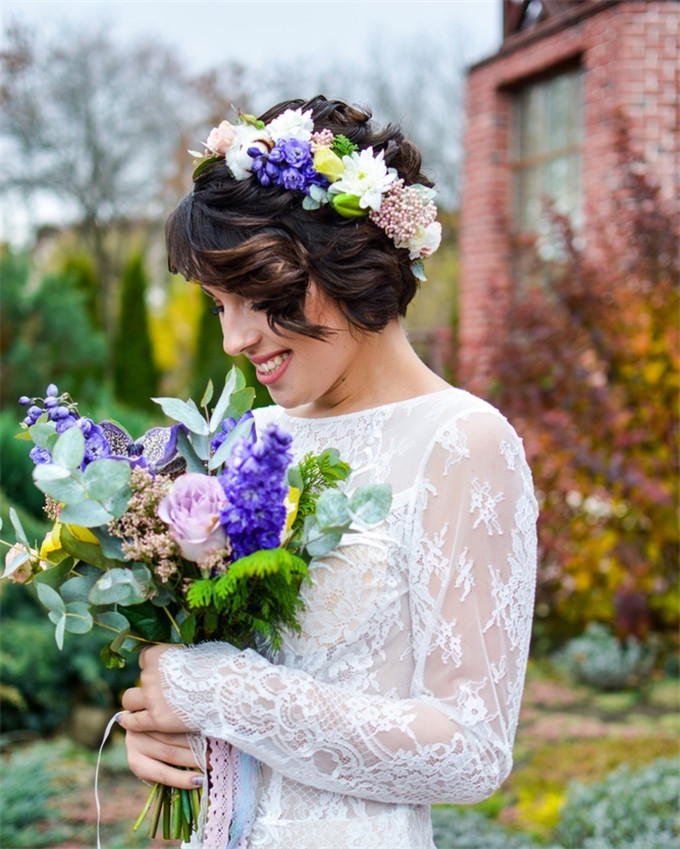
(369, 410)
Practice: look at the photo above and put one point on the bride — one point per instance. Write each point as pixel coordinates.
(307, 230)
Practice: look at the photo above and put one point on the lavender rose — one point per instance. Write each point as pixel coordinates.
(192, 511)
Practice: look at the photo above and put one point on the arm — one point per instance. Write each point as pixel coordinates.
(471, 587)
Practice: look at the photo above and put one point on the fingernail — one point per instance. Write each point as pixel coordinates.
(197, 780)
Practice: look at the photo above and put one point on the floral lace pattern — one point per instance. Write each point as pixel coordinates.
(403, 688)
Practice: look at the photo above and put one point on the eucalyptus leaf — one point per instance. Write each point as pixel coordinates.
(223, 452)
(111, 659)
(50, 598)
(19, 531)
(241, 402)
(51, 472)
(65, 490)
(201, 445)
(77, 589)
(224, 400)
(112, 547)
(59, 631)
(87, 514)
(44, 434)
(371, 503)
(119, 586)
(185, 412)
(112, 620)
(104, 478)
(118, 503)
(332, 510)
(208, 394)
(187, 450)
(78, 618)
(18, 560)
(55, 576)
(69, 449)
(322, 544)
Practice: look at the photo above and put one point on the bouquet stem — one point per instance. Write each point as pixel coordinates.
(178, 809)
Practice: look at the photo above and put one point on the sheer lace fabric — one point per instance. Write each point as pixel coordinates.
(403, 688)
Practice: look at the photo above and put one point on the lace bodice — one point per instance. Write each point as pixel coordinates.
(403, 688)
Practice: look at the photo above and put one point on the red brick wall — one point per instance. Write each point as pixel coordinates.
(630, 55)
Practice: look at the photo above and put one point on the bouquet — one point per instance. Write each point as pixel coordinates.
(200, 530)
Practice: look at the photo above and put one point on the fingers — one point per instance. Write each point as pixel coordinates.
(133, 699)
(153, 759)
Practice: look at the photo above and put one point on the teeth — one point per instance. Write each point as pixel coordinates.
(272, 364)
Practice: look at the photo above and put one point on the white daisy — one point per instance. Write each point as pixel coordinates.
(292, 124)
(365, 176)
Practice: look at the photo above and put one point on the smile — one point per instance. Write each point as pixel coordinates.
(271, 365)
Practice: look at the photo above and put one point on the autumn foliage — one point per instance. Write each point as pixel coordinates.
(586, 365)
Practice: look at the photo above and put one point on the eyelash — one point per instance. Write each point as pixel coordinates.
(216, 310)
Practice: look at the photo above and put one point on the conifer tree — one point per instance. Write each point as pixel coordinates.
(135, 377)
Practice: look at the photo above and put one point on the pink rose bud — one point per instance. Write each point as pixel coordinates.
(192, 512)
(221, 138)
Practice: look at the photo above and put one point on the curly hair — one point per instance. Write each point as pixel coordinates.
(259, 242)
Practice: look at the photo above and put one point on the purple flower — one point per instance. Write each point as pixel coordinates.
(96, 444)
(40, 455)
(292, 178)
(297, 153)
(192, 512)
(226, 428)
(254, 483)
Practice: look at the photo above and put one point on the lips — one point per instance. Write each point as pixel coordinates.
(269, 369)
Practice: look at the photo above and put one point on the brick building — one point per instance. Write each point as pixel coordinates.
(540, 124)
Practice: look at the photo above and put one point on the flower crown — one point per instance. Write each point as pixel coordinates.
(328, 169)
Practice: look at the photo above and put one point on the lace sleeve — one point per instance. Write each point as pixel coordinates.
(471, 582)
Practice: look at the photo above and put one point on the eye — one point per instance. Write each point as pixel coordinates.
(217, 309)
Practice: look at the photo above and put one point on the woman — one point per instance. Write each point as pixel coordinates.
(403, 688)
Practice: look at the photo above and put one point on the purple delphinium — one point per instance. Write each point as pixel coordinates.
(63, 412)
(254, 483)
(226, 428)
(289, 164)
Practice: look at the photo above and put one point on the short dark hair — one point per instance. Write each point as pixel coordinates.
(259, 242)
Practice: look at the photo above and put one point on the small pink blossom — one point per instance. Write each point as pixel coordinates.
(192, 512)
(19, 564)
(221, 138)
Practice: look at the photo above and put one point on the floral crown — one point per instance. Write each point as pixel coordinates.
(330, 170)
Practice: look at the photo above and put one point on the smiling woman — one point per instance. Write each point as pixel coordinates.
(307, 228)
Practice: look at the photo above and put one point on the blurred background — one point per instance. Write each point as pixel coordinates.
(551, 130)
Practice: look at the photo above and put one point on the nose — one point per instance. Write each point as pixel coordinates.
(240, 331)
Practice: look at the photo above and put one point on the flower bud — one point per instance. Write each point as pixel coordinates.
(348, 206)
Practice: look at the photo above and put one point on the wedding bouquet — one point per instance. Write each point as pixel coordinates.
(200, 530)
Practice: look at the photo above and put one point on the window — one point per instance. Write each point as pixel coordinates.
(546, 151)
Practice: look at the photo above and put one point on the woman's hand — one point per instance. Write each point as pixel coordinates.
(158, 757)
(147, 709)
(156, 737)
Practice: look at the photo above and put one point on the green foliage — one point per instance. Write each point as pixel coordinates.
(311, 477)
(628, 810)
(40, 684)
(46, 330)
(135, 378)
(256, 599)
(455, 828)
(588, 369)
(599, 659)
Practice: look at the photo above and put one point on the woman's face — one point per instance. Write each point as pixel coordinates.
(318, 376)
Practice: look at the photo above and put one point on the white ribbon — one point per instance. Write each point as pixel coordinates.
(107, 734)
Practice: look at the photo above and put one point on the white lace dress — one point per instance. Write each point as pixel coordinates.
(403, 689)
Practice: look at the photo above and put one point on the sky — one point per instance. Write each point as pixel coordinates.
(207, 33)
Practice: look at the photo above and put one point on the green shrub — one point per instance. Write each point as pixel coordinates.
(599, 659)
(628, 810)
(456, 828)
(40, 684)
(29, 782)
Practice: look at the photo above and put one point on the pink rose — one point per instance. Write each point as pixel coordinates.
(19, 563)
(192, 511)
(221, 138)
